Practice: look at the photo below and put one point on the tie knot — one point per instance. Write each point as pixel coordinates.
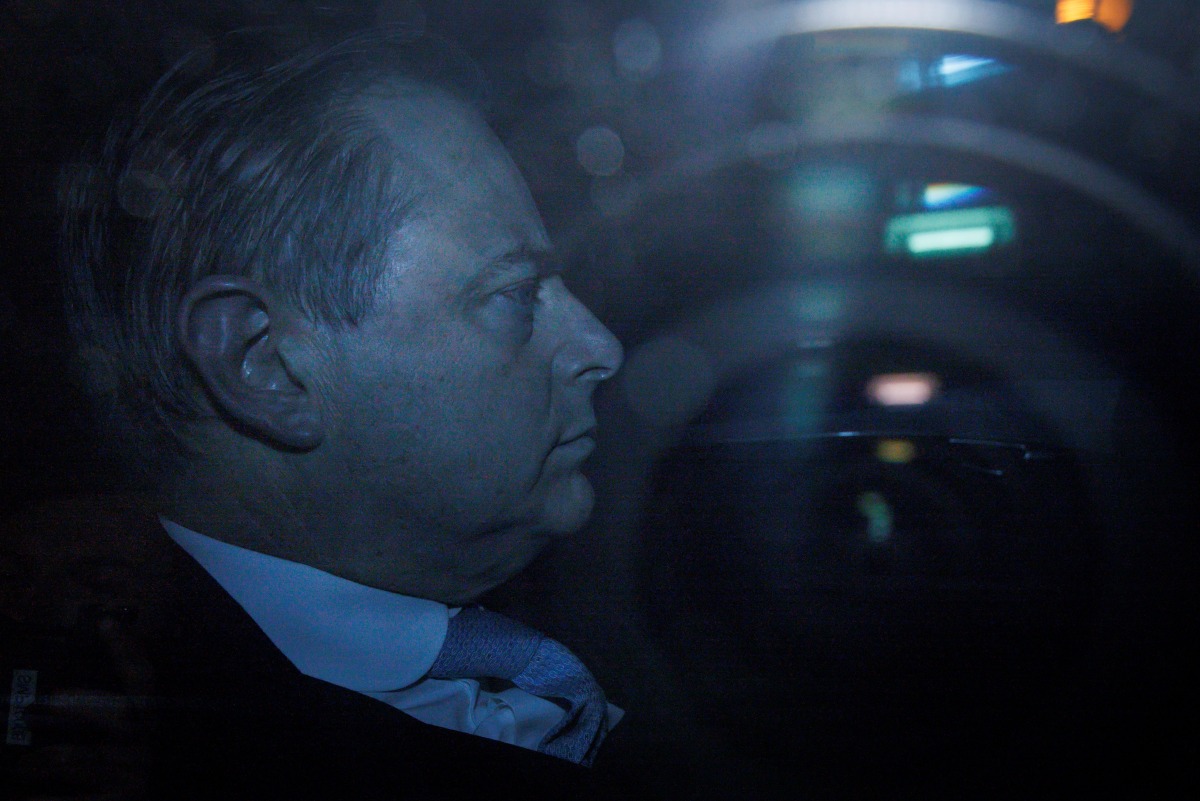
(480, 643)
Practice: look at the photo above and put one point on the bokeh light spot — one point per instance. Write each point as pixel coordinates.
(637, 48)
(895, 451)
(600, 151)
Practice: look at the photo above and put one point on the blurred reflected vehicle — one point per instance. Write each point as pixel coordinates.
(915, 489)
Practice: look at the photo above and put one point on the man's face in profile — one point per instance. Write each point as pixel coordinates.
(459, 410)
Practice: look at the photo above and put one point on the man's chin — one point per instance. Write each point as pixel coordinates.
(569, 506)
(566, 509)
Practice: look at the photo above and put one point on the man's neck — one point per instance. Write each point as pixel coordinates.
(239, 502)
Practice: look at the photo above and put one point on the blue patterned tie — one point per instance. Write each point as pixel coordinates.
(480, 643)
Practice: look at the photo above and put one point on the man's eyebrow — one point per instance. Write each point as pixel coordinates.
(545, 261)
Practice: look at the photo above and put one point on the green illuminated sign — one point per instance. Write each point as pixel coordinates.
(950, 233)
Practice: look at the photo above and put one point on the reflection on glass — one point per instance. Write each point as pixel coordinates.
(895, 451)
(955, 70)
(946, 233)
(902, 389)
(948, 195)
(1112, 14)
(878, 513)
(979, 237)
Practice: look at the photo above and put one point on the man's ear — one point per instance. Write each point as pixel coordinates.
(233, 331)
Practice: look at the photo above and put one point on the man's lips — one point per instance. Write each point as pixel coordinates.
(578, 433)
(578, 445)
(579, 448)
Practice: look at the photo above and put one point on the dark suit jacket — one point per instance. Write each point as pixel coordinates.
(237, 720)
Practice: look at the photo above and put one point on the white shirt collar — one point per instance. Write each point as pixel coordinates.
(330, 628)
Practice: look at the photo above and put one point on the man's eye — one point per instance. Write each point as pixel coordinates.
(525, 293)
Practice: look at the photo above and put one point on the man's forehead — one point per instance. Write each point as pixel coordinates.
(428, 121)
(445, 145)
(474, 207)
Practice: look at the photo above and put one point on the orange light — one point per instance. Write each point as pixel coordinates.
(1074, 10)
(1112, 14)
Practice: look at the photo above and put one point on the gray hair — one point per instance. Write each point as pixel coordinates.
(265, 170)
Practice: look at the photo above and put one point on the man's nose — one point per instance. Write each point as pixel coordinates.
(587, 351)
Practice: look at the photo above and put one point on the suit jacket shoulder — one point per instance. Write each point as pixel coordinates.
(239, 721)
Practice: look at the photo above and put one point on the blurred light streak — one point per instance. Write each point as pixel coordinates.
(903, 389)
(987, 18)
(949, 66)
(895, 451)
(945, 195)
(956, 70)
(957, 240)
(789, 19)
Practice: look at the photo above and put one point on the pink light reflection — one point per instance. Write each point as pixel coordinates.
(902, 389)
